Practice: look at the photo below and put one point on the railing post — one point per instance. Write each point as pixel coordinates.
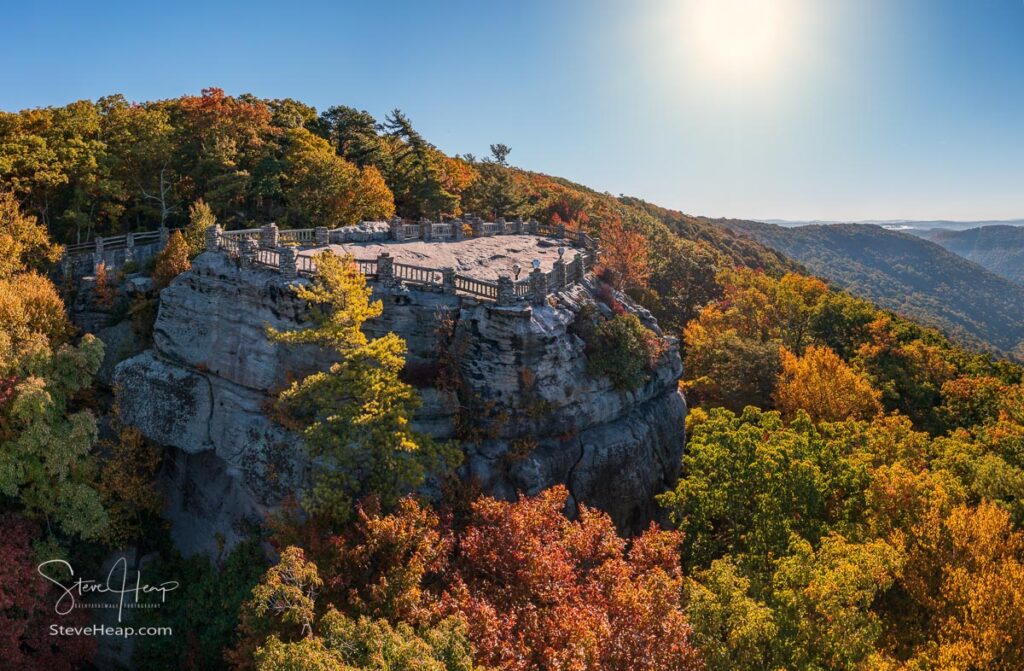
(97, 255)
(321, 236)
(66, 265)
(385, 269)
(501, 226)
(165, 235)
(286, 262)
(519, 226)
(448, 280)
(426, 229)
(533, 224)
(396, 228)
(578, 271)
(561, 231)
(269, 236)
(538, 287)
(212, 237)
(247, 251)
(559, 269)
(129, 247)
(506, 291)
(458, 232)
(478, 227)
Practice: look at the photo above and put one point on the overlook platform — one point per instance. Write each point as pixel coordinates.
(507, 262)
(479, 258)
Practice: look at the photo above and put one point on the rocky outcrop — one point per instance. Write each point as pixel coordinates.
(536, 417)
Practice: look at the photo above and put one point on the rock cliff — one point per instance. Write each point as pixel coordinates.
(537, 417)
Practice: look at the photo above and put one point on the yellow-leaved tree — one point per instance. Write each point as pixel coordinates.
(824, 386)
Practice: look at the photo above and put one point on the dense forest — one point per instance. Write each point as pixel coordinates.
(902, 272)
(998, 248)
(851, 491)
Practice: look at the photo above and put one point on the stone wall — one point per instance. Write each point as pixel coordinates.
(203, 388)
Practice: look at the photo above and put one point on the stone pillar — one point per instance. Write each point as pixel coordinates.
(247, 251)
(269, 236)
(129, 247)
(396, 229)
(212, 237)
(506, 291)
(165, 235)
(501, 225)
(286, 263)
(578, 271)
(532, 226)
(448, 279)
(478, 227)
(426, 229)
(458, 233)
(97, 255)
(519, 225)
(561, 231)
(560, 277)
(385, 269)
(538, 287)
(321, 236)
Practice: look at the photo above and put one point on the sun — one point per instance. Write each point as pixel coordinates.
(739, 39)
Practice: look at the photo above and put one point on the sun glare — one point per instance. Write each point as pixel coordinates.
(739, 39)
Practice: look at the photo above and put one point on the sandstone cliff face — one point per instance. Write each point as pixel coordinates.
(523, 384)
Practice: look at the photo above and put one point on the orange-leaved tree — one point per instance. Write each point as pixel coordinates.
(824, 386)
(171, 261)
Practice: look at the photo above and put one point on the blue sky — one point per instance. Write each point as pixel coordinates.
(831, 109)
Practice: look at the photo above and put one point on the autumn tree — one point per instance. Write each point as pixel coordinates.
(26, 608)
(127, 484)
(327, 190)
(171, 261)
(824, 386)
(200, 218)
(354, 417)
(541, 591)
(304, 633)
(24, 244)
(624, 257)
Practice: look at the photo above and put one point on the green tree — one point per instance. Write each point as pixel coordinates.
(355, 416)
(326, 190)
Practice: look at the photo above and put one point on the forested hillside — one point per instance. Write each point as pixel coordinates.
(852, 488)
(914, 277)
(998, 248)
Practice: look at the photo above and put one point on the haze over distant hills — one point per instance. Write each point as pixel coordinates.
(905, 273)
(901, 224)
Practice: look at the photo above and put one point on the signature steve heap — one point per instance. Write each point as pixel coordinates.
(129, 593)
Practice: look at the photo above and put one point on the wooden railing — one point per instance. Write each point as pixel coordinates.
(471, 285)
(429, 277)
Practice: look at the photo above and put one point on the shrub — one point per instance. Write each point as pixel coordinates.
(623, 349)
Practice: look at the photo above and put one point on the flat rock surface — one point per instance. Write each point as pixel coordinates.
(480, 258)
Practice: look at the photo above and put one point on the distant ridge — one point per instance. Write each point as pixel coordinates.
(899, 224)
(999, 248)
(907, 274)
